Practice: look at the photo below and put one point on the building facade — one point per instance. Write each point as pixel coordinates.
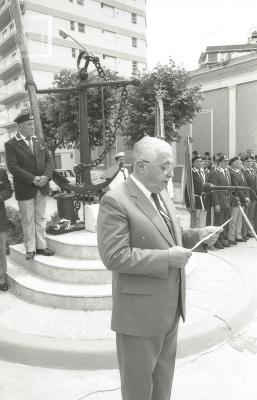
(227, 122)
(113, 30)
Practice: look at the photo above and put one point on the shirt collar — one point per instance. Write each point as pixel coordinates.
(19, 136)
(142, 187)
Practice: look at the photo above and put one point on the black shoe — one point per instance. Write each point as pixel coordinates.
(245, 238)
(45, 252)
(29, 255)
(250, 235)
(3, 287)
(233, 242)
(225, 243)
(218, 245)
(241, 240)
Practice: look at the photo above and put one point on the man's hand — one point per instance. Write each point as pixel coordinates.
(179, 256)
(247, 202)
(42, 181)
(217, 208)
(207, 231)
(37, 180)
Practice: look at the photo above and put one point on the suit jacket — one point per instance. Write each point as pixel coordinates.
(251, 181)
(217, 178)
(134, 242)
(197, 184)
(25, 165)
(238, 179)
(5, 193)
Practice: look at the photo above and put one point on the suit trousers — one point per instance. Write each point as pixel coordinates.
(235, 225)
(200, 220)
(3, 264)
(219, 219)
(147, 364)
(251, 209)
(33, 222)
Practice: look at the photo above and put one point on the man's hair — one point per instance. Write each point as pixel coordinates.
(147, 147)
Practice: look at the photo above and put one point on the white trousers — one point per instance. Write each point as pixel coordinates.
(198, 221)
(33, 222)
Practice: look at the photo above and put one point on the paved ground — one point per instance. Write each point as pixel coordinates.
(227, 371)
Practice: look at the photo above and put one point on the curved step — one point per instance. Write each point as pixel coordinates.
(45, 292)
(80, 245)
(62, 269)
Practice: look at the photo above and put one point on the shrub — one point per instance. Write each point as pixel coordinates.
(15, 234)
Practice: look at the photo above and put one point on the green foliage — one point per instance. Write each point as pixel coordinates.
(180, 102)
(15, 234)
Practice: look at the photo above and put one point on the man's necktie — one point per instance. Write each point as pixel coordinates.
(164, 216)
(30, 144)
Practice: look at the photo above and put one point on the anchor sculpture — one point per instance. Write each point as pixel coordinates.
(84, 184)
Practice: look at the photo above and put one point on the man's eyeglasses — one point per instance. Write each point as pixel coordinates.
(164, 168)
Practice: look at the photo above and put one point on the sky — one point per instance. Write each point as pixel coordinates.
(182, 29)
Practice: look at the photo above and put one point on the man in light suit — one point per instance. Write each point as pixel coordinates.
(140, 241)
(30, 163)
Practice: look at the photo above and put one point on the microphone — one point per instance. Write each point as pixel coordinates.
(208, 187)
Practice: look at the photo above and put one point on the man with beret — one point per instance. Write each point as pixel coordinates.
(221, 200)
(241, 198)
(30, 163)
(198, 174)
(251, 182)
(5, 193)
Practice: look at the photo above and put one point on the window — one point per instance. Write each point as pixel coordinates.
(133, 18)
(134, 67)
(71, 1)
(134, 42)
(80, 2)
(72, 25)
(81, 27)
(73, 52)
(108, 10)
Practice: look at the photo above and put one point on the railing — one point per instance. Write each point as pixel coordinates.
(10, 59)
(7, 31)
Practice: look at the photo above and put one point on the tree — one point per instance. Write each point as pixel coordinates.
(180, 102)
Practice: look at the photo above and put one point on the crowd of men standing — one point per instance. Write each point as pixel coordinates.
(218, 206)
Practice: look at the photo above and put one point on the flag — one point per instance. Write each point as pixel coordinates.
(189, 187)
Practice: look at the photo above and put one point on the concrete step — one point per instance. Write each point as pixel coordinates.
(79, 245)
(63, 269)
(43, 291)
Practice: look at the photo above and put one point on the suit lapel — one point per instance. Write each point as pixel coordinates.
(145, 205)
(24, 147)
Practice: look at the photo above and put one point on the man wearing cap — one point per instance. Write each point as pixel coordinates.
(221, 200)
(241, 198)
(250, 177)
(30, 163)
(198, 220)
(122, 174)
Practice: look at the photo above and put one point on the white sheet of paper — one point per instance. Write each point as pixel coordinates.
(211, 234)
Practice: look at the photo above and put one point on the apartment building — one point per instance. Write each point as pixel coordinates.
(113, 30)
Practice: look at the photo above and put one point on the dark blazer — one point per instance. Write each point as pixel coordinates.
(134, 242)
(251, 181)
(217, 178)
(5, 193)
(238, 179)
(24, 166)
(198, 189)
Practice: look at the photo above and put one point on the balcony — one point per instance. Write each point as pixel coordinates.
(5, 17)
(14, 91)
(7, 39)
(10, 66)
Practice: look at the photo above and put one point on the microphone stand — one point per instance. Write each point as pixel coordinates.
(212, 188)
